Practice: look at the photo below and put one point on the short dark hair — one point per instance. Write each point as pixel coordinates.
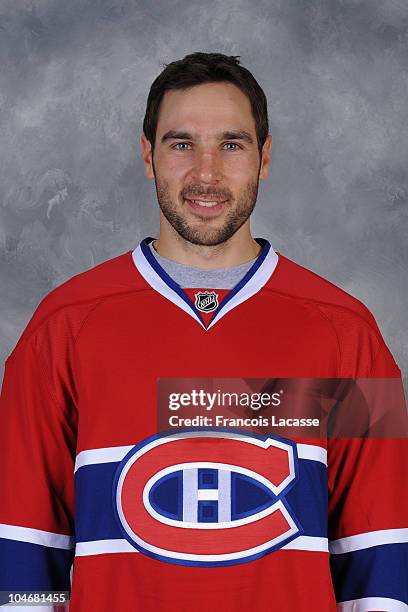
(197, 68)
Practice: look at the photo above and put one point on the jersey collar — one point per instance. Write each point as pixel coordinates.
(256, 277)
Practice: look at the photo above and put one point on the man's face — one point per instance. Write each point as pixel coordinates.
(206, 162)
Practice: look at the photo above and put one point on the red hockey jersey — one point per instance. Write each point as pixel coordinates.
(199, 518)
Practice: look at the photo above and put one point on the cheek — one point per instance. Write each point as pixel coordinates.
(173, 173)
(239, 175)
(241, 167)
(175, 162)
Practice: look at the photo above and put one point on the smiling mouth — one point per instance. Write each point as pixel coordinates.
(206, 203)
(206, 208)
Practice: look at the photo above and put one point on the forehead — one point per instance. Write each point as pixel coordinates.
(206, 107)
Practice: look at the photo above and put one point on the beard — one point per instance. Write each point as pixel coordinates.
(202, 233)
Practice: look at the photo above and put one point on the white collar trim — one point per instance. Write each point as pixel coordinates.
(158, 279)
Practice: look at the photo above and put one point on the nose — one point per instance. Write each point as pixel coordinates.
(207, 167)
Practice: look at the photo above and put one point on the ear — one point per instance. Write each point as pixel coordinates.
(266, 157)
(147, 156)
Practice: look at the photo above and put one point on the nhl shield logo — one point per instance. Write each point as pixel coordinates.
(206, 301)
(207, 497)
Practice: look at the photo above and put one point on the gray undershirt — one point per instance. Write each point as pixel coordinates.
(191, 277)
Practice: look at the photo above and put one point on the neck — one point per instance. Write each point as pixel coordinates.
(239, 249)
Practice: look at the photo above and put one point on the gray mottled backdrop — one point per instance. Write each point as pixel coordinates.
(74, 78)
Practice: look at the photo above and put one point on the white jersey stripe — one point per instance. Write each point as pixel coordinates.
(311, 543)
(36, 536)
(312, 452)
(60, 607)
(366, 604)
(99, 547)
(111, 454)
(368, 540)
(116, 453)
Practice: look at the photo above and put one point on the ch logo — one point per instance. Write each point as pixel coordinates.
(207, 497)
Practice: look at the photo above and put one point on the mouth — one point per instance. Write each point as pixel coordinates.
(206, 207)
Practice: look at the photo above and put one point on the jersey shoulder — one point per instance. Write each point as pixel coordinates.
(296, 281)
(76, 296)
(361, 346)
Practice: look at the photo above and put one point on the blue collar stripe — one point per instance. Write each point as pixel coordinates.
(250, 284)
(166, 277)
(252, 270)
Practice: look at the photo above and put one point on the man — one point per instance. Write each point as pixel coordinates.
(197, 517)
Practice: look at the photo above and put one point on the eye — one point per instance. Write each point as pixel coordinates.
(176, 146)
(234, 144)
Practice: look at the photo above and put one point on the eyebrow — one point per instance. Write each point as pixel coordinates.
(231, 135)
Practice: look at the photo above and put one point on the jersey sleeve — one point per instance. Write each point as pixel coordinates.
(368, 504)
(37, 441)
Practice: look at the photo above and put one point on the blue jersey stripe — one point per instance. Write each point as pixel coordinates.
(32, 567)
(94, 515)
(379, 571)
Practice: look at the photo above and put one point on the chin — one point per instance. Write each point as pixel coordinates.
(201, 238)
